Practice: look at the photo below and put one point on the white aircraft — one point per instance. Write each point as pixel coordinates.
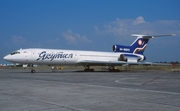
(122, 55)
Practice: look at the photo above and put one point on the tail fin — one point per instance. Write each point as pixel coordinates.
(138, 46)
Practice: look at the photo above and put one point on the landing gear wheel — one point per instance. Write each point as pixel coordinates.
(33, 71)
(88, 70)
(114, 70)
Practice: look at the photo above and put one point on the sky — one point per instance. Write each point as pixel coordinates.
(94, 25)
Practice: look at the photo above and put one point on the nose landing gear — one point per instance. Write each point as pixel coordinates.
(32, 69)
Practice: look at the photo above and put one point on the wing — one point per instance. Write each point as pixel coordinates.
(100, 62)
(114, 63)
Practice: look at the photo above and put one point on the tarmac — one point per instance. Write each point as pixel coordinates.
(70, 90)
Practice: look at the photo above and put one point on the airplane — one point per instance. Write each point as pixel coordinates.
(121, 55)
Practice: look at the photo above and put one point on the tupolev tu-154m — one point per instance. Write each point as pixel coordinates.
(121, 55)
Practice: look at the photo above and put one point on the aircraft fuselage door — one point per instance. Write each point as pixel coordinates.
(75, 55)
(26, 55)
(33, 54)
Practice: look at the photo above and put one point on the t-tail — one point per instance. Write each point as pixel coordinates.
(138, 46)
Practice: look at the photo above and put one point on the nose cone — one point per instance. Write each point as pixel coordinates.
(7, 58)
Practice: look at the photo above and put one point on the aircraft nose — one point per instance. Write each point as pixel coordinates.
(7, 58)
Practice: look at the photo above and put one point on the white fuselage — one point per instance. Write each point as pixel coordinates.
(61, 57)
(132, 54)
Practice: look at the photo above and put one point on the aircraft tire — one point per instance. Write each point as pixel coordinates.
(88, 70)
(33, 71)
(114, 70)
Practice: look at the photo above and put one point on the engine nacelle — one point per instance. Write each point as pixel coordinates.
(122, 58)
(121, 48)
(129, 58)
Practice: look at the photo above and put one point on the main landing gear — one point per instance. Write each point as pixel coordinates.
(113, 69)
(87, 69)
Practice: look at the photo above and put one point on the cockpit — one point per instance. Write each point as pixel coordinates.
(14, 56)
(15, 52)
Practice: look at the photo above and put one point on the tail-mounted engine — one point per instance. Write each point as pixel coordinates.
(129, 58)
(121, 48)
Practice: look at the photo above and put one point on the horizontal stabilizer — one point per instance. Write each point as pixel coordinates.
(151, 36)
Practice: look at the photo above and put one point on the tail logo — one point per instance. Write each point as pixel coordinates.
(140, 42)
(139, 49)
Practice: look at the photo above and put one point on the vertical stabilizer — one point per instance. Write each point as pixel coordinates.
(138, 46)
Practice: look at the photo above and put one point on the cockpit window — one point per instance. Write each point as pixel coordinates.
(15, 52)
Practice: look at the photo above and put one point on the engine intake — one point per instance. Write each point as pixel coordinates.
(122, 58)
